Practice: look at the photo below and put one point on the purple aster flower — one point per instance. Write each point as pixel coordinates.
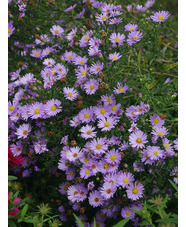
(71, 34)
(134, 37)
(88, 132)
(10, 28)
(69, 9)
(131, 27)
(95, 199)
(53, 107)
(124, 146)
(83, 42)
(26, 173)
(70, 173)
(127, 212)
(49, 62)
(70, 93)
(133, 128)
(98, 146)
(106, 124)
(108, 190)
(57, 30)
(160, 132)
(111, 178)
(80, 60)
(96, 67)
(138, 139)
(160, 16)
(47, 51)
(140, 8)
(40, 146)
(95, 42)
(149, 3)
(102, 18)
(82, 71)
(168, 147)
(121, 88)
(85, 115)
(176, 144)
(36, 53)
(74, 154)
(90, 185)
(115, 21)
(113, 156)
(36, 110)
(155, 120)
(69, 56)
(16, 149)
(108, 99)
(117, 39)
(101, 111)
(154, 152)
(124, 179)
(86, 172)
(23, 131)
(114, 57)
(91, 86)
(135, 191)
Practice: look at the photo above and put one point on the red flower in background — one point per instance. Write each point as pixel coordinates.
(18, 160)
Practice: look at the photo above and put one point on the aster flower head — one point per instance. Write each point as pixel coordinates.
(154, 152)
(16, 149)
(102, 18)
(138, 139)
(131, 27)
(117, 39)
(69, 56)
(91, 86)
(113, 157)
(155, 120)
(176, 144)
(36, 110)
(141, 8)
(168, 148)
(149, 3)
(121, 88)
(106, 124)
(86, 172)
(124, 179)
(134, 37)
(85, 39)
(160, 16)
(71, 34)
(53, 107)
(98, 146)
(160, 132)
(127, 212)
(70, 93)
(115, 20)
(114, 57)
(88, 132)
(23, 131)
(36, 53)
(95, 199)
(74, 154)
(49, 62)
(85, 115)
(10, 28)
(108, 190)
(96, 67)
(111, 178)
(80, 60)
(135, 191)
(57, 30)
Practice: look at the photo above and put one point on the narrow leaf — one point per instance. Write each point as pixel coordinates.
(24, 210)
(122, 223)
(10, 178)
(174, 185)
(79, 222)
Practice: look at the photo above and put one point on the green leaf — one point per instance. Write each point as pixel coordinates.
(11, 223)
(94, 222)
(33, 221)
(139, 58)
(47, 219)
(122, 223)
(79, 222)
(24, 210)
(144, 62)
(10, 178)
(143, 223)
(174, 185)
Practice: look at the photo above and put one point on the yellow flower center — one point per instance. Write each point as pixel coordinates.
(113, 108)
(125, 180)
(86, 38)
(102, 111)
(37, 111)
(53, 108)
(65, 188)
(104, 18)
(106, 124)
(160, 17)
(106, 166)
(70, 57)
(36, 54)
(98, 146)
(86, 160)
(155, 120)
(87, 171)
(155, 153)
(121, 89)
(131, 29)
(128, 213)
(166, 145)
(70, 94)
(108, 100)
(92, 87)
(89, 132)
(113, 157)
(11, 108)
(57, 31)
(25, 132)
(114, 57)
(70, 173)
(138, 140)
(134, 190)
(135, 37)
(81, 62)
(86, 115)
(117, 40)
(9, 30)
(83, 73)
(53, 71)
(160, 133)
(47, 52)
(98, 68)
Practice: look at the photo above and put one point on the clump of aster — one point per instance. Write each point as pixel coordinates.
(95, 199)
(23, 131)
(87, 132)
(120, 88)
(10, 28)
(52, 107)
(134, 37)
(131, 27)
(135, 191)
(114, 57)
(57, 30)
(138, 139)
(160, 16)
(70, 93)
(91, 86)
(117, 39)
(96, 67)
